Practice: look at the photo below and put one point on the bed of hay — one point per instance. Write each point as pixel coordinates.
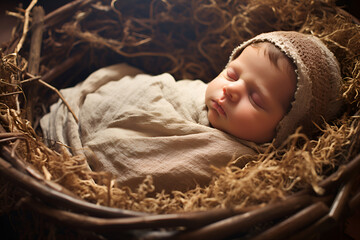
(190, 39)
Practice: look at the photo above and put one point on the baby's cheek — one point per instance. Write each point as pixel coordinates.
(248, 113)
(213, 118)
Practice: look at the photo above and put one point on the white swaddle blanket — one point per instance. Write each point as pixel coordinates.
(133, 125)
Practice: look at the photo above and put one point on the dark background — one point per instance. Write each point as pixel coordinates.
(6, 22)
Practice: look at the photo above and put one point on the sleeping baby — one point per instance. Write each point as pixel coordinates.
(132, 124)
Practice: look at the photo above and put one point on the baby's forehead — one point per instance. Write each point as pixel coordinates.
(274, 53)
(276, 56)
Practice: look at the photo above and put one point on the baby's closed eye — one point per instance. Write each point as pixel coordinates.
(256, 100)
(231, 74)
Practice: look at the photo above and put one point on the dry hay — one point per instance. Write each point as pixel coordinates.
(190, 39)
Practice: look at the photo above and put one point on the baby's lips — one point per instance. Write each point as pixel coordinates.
(219, 107)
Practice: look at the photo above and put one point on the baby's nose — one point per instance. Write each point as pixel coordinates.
(233, 91)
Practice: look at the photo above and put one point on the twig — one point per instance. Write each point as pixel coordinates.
(115, 10)
(16, 144)
(30, 79)
(354, 202)
(12, 134)
(9, 94)
(36, 40)
(14, 14)
(51, 87)
(343, 174)
(341, 200)
(60, 95)
(240, 223)
(34, 55)
(63, 67)
(26, 25)
(10, 139)
(305, 217)
(64, 12)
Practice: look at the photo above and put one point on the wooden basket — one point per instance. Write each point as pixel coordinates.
(298, 216)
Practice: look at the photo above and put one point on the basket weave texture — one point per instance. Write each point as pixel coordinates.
(297, 190)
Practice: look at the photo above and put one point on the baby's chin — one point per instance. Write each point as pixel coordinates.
(258, 139)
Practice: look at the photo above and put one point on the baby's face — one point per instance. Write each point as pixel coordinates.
(251, 96)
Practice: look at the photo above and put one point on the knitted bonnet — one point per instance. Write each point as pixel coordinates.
(317, 96)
